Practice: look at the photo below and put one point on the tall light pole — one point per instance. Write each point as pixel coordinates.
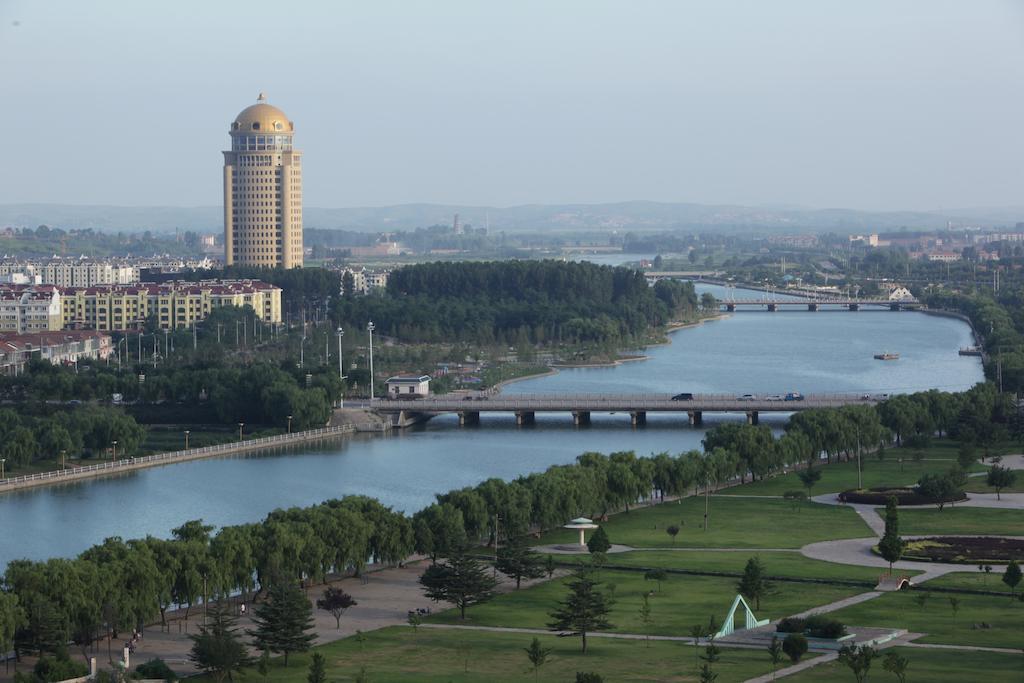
(166, 345)
(186, 439)
(113, 451)
(62, 454)
(240, 425)
(2, 462)
(302, 351)
(370, 328)
(341, 370)
(289, 424)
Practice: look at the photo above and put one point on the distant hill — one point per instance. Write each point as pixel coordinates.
(620, 216)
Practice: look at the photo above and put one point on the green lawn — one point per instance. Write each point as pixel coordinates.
(735, 523)
(933, 666)
(785, 564)
(973, 580)
(842, 476)
(978, 485)
(959, 520)
(398, 655)
(682, 602)
(900, 610)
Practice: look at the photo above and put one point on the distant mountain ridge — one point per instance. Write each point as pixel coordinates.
(617, 216)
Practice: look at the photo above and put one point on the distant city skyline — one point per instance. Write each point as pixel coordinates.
(817, 103)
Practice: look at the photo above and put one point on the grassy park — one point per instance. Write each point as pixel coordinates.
(430, 655)
(735, 523)
(958, 520)
(934, 666)
(682, 602)
(935, 618)
(787, 564)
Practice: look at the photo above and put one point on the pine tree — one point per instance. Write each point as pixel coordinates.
(1012, 576)
(217, 648)
(752, 584)
(891, 546)
(284, 622)
(317, 670)
(584, 610)
(599, 542)
(462, 581)
(517, 561)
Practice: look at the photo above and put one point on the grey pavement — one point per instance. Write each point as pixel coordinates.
(839, 604)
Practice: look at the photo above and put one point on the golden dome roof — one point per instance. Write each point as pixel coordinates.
(262, 117)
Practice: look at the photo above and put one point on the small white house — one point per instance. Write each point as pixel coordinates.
(899, 293)
(408, 387)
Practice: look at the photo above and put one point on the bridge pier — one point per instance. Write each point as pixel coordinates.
(752, 417)
(854, 307)
(638, 417)
(469, 417)
(696, 417)
(580, 417)
(894, 307)
(812, 307)
(525, 417)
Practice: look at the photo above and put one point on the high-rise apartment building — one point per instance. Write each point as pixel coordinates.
(262, 190)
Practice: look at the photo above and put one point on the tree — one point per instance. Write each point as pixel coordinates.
(156, 668)
(1000, 478)
(645, 616)
(752, 584)
(537, 655)
(549, 565)
(891, 546)
(896, 664)
(954, 604)
(263, 666)
(462, 581)
(1012, 576)
(775, 654)
(673, 531)
(584, 610)
(335, 601)
(588, 677)
(217, 648)
(809, 477)
(795, 646)
(658, 575)
(11, 618)
(707, 675)
(599, 542)
(317, 670)
(795, 498)
(285, 621)
(517, 561)
(858, 659)
(939, 488)
(415, 620)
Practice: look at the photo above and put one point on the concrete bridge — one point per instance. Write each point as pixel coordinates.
(733, 305)
(526, 406)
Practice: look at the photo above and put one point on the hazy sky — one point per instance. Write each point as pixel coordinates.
(862, 104)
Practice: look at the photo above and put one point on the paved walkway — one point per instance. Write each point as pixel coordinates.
(839, 604)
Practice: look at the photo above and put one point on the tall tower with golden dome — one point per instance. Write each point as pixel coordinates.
(262, 190)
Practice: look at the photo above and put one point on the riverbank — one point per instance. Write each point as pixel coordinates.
(160, 459)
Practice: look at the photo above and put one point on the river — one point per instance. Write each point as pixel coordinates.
(756, 352)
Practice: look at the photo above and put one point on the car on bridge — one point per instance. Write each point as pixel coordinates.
(685, 396)
(775, 397)
(794, 396)
(746, 397)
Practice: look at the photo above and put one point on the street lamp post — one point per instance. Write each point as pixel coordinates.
(62, 454)
(240, 425)
(113, 451)
(186, 439)
(341, 370)
(289, 424)
(370, 328)
(3, 461)
(302, 351)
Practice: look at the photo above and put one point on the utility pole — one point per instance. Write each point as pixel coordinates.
(341, 370)
(370, 328)
(495, 567)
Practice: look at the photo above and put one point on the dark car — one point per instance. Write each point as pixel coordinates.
(794, 396)
(685, 396)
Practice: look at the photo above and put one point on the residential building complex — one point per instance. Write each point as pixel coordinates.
(262, 190)
(29, 308)
(364, 280)
(59, 348)
(82, 272)
(176, 304)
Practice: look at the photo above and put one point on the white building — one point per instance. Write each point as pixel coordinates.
(25, 309)
(364, 280)
(408, 387)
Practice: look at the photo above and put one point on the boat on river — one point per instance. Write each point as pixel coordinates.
(887, 356)
(970, 350)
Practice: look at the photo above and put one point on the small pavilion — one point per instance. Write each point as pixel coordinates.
(581, 523)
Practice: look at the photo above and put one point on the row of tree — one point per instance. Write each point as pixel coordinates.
(120, 585)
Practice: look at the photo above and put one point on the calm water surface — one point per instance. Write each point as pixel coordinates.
(747, 352)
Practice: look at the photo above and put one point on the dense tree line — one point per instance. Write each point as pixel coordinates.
(518, 303)
(85, 432)
(120, 585)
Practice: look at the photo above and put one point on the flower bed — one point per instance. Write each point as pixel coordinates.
(880, 496)
(963, 549)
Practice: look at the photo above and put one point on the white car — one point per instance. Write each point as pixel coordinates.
(746, 397)
(775, 397)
